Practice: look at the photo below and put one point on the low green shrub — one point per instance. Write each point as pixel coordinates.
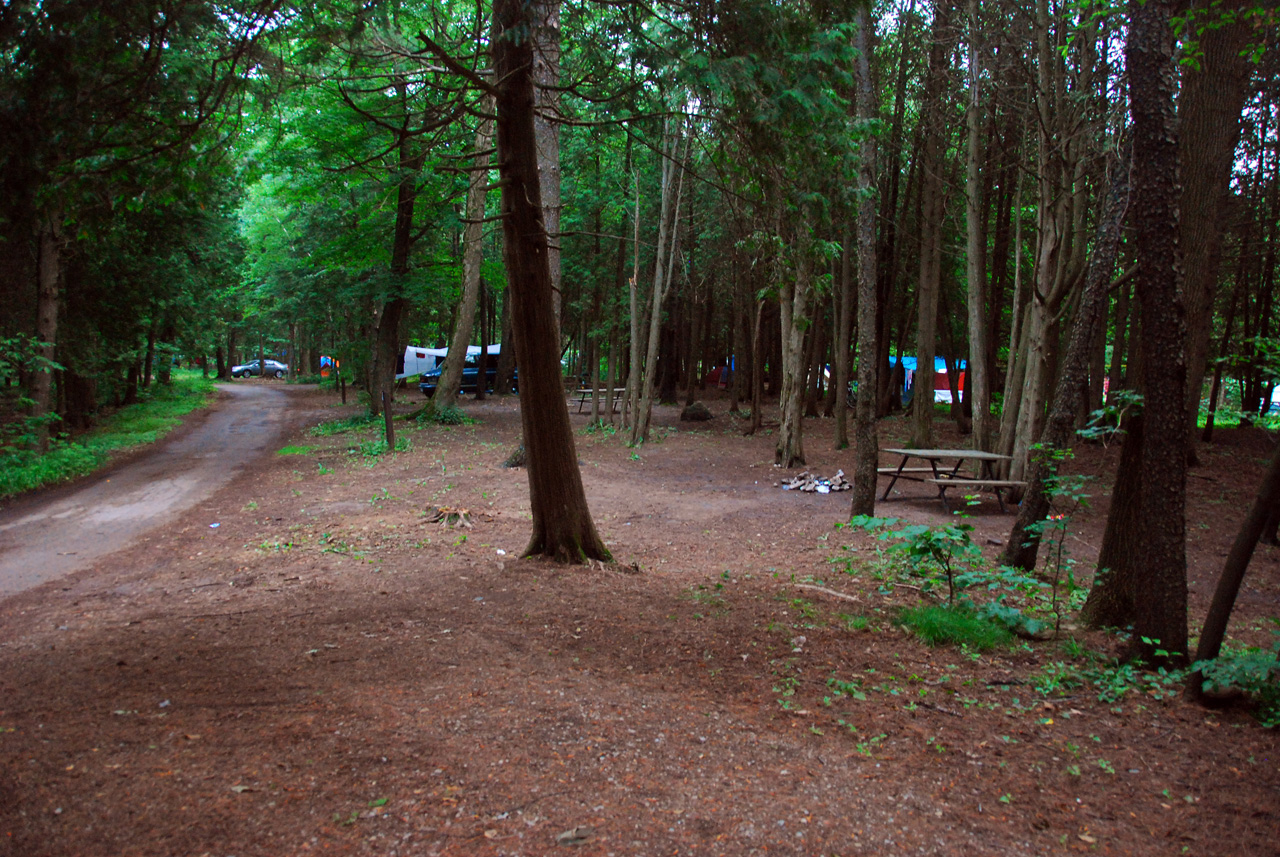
(1253, 670)
(447, 416)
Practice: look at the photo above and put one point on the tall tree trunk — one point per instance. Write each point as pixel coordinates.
(546, 129)
(1160, 615)
(664, 259)
(632, 406)
(844, 300)
(164, 369)
(504, 382)
(932, 210)
(390, 315)
(757, 368)
(1024, 540)
(793, 303)
(149, 356)
(562, 525)
(472, 255)
(1120, 324)
(1063, 144)
(48, 283)
(1016, 367)
(1228, 324)
(386, 350)
(865, 434)
(976, 385)
(1210, 109)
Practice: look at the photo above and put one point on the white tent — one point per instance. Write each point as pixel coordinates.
(418, 360)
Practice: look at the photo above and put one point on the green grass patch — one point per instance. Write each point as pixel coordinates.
(344, 425)
(159, 412)
(294, 450)
(954, 626)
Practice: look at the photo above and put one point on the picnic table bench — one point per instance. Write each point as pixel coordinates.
(584, 395)
(947, 477)
(995, 486)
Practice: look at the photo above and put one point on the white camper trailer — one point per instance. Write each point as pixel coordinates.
(418, 360)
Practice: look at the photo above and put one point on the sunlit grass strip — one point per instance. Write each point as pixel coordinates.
(158, 413)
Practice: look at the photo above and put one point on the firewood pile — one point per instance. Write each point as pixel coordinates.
(811, 483)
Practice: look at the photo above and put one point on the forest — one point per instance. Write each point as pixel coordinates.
(1072, 206)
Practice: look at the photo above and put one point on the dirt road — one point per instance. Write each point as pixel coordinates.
(50, 535)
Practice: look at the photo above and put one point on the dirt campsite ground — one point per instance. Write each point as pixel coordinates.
(328, 671)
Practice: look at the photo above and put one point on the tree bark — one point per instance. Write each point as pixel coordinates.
(48, 283)
(391, 314)
(669, 217)
(546, 129)
(976, 385)
(562, 525)
(1112, 598)
(844, 300)
(1024, 541)
(472, 255)
(932, 210)
(1063, 144)
(1160, 621)
(793, 303)
(865, 431)
(1210, 108)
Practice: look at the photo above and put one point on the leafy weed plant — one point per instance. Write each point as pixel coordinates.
(1255, 671)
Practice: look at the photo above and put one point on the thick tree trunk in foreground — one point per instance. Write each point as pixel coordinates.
(1160, 621)
(1162, 610)
(472, 255)
(562, 526)
(1024, 541)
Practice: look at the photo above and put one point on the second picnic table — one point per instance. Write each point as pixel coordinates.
(943, 477)
(584, 395)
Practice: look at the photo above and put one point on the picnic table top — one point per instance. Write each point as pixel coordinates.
(972, 454)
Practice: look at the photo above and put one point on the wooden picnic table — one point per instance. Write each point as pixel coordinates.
(944, 477)
(584, 395)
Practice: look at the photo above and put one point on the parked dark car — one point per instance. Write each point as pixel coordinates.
(275, 369)
(470, 376)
